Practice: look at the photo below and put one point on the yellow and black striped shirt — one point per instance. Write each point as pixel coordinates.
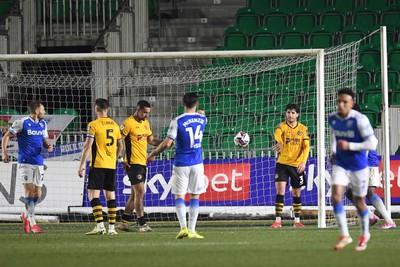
(136, 133)
(105, 133)
(296, 143)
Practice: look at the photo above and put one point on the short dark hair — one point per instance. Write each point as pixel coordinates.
(190, 100)
(143, 104)
(346, 91)
(102, 103)
(33, 105)
(293, 106)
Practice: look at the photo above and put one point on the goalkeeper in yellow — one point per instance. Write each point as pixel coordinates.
(293, 146)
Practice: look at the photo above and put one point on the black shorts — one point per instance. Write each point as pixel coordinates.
(136, 173)
(100, 178)
(284, 172)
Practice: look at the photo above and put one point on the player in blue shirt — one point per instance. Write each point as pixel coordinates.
(32, 137)
(373, 183)
(351, 136)
(186, 131)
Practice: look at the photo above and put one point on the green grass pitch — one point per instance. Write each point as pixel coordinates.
(66, 245)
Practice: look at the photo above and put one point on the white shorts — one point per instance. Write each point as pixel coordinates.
(357, 180)
(31, 174)
(188, 179)
(374, 179)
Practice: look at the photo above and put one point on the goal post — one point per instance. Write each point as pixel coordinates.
(239, 90)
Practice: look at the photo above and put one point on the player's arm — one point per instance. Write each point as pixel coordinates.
(153, 141)
(333, 147)
(165, 144)
(48, 145)
(122, 152)
(305, 151)
(4, 143)
(85, 154)
(278, 138)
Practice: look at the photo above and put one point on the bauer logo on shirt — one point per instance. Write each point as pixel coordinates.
(300, 133)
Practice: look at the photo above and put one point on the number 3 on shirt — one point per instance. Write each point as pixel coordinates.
(197, 135)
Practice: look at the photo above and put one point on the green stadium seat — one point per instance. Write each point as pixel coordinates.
(391, 18)
(75, 124)
(381, 6)
(372, 111)
(205, 102)
(292, 40)
(153, 8)
(261, 142)
(254, 103)
(239, 81)
(304, 22)
(226, 142)
(287, 6)
(263, 39)
(61, 10)
(352, 33)
(209, 141)
(220, 62)
(244, 121)
(321, 38)
(216, 123)
(314, 6)
(262, 5)
(87, 10)
(4, 9)
(208, 87)
(394, 60)
(294, 81)
(9, 111)
(373, 97)
(308, 102)
(333, 21)
(395, 100)
(226, 103)
(343, 6)
(267, 80)
(247, 20)
(393, 79)
(375, 40)
(370, 60)
(276, 22)
(234, 39)
(269, 121)
(364, 79)
(364, 18)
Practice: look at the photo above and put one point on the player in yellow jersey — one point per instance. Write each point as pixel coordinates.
(293, 146)
(104, 143)
(136, 133)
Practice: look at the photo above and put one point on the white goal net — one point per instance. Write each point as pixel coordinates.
(239, 91)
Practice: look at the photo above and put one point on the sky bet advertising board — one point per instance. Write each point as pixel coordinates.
(235, 182)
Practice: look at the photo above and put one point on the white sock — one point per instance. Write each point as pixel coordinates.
(100, 225)
(111, 227)
(30, 212)
(370, 214)
(340, 215)
(193, 214)
(180, 209)
(364, 222)
(380, 207)
(278, 219)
